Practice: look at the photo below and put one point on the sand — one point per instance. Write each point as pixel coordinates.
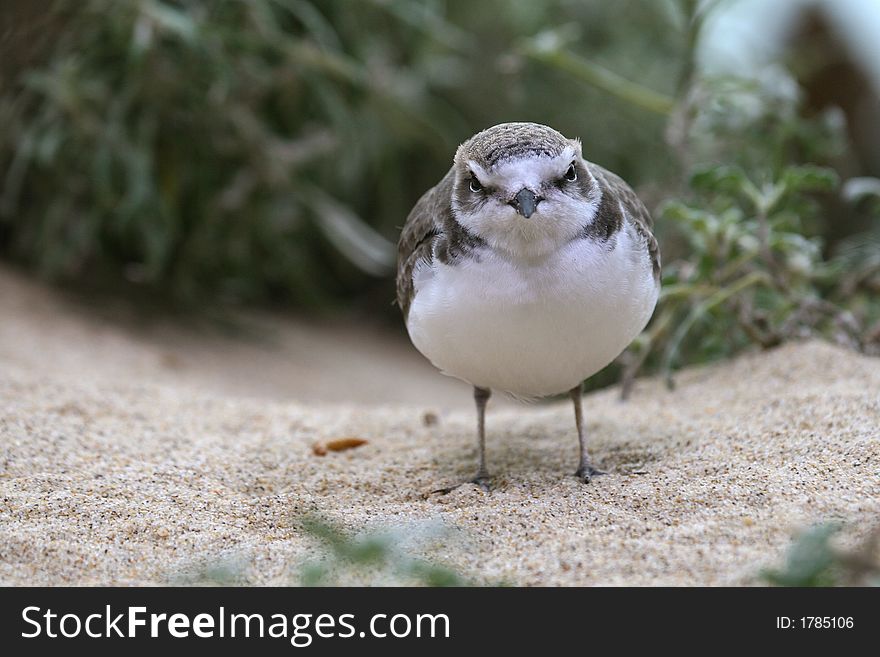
(117, 469)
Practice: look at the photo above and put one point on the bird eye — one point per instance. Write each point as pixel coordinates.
(571, 174)
(475, 185)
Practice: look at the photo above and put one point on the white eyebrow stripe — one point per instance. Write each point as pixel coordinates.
(514, 174)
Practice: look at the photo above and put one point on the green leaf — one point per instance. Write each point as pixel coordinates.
(725, 178)
(809, 559)
(809, 178)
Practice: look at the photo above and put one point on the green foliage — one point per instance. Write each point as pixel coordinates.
(813, 561)
(859, 255)
(162, 139)
(376, 557)
(810, 560)
(752, 268)
(271, 149)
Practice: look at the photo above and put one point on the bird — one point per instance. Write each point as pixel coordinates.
(526, 270)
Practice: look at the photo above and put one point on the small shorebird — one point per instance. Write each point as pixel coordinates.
(526, 269)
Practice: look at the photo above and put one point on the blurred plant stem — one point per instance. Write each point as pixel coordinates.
(545, 48)
(699, 311)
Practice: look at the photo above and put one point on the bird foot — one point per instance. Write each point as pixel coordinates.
(586, 473)
(483, 481)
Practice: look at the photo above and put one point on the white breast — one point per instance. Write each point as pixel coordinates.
(533, 329)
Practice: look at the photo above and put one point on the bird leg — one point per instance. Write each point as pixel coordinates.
(481, 396)
(586, 470)
(482, 478)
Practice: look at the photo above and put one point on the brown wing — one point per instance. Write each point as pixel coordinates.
(614, 187)
(425, 221)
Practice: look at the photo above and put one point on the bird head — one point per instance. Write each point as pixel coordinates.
(523, 188)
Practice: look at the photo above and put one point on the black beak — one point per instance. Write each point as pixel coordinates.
(525, 202)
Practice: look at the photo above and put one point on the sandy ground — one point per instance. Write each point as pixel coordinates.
(133, 456)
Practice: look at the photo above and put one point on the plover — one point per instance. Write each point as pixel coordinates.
(526, 269)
